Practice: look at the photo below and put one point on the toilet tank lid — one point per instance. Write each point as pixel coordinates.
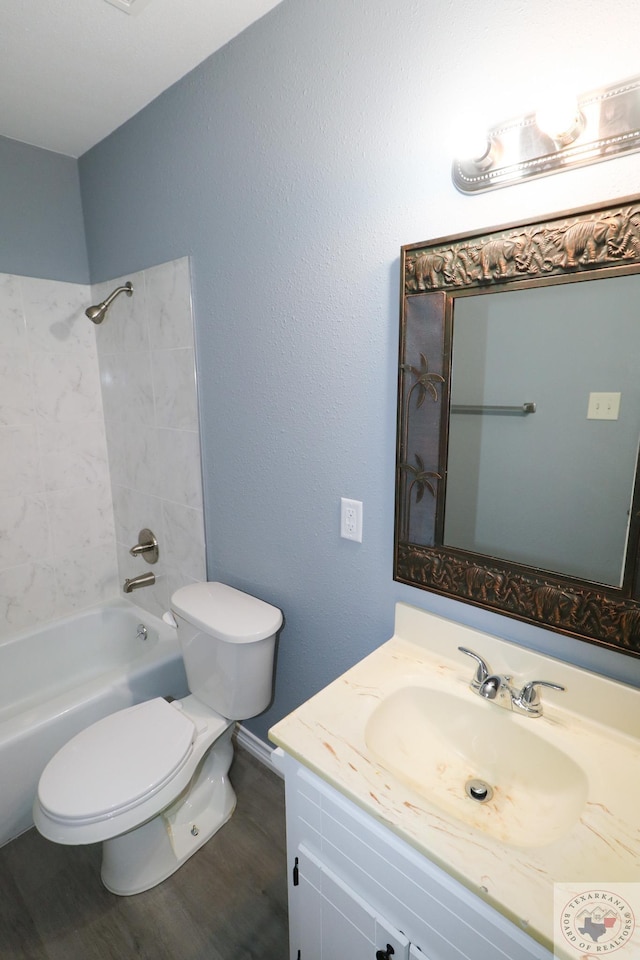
(227, 613)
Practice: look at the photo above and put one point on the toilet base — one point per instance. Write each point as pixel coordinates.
(144, 857)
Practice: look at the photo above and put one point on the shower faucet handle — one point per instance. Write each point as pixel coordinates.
(147, 546)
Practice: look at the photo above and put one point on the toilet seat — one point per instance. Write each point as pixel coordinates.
(116, 764)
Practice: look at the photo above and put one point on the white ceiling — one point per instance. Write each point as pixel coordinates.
(72, 71)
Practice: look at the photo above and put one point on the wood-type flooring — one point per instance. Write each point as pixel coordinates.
(228, 902)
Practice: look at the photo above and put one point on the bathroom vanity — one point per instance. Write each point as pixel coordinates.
(391, 855)
(356, 889)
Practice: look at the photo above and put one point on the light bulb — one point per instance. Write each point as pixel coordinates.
(474, 144)
(561, 119)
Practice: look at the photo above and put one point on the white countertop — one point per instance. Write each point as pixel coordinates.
(596, 721)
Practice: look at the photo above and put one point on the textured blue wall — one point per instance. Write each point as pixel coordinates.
(291, 166)
(42, 231)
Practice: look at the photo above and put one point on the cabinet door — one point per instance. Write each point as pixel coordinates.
(415, 953)
(335, 923)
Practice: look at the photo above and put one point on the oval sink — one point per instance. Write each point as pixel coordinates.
(435, 742)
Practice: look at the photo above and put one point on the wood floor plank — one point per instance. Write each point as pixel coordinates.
(228, 902)
(241, 877)
(19, 938)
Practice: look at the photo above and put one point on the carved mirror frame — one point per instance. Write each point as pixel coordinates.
(590, 243)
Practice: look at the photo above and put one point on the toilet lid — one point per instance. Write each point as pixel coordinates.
(116, 763)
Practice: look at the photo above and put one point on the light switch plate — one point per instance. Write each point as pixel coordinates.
(603, 406)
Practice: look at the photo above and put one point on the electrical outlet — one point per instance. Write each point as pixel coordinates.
(351, 519)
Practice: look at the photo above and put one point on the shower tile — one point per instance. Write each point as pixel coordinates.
(133, 457)
(27, 596)
(80, 519)
(54, 313)
(87, 577)
(147, 465)
(53, 457)
(73, 454)
(169, 304)
(184, 531)
(125, 327)
(178, 475)
(174, 382)
(133, 510)
(16, 387)
(147, 375)
(13, 330)
(67, 388)
(20, 461)
(127, 387)
(119, 460)
(24, 530)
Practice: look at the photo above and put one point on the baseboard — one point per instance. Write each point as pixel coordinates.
(256, 747)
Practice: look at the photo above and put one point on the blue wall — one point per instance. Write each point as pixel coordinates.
(42, 231)
(291, 166)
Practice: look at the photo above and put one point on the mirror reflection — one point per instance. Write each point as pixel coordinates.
(551, 488)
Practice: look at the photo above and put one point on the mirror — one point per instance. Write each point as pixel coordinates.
(519, 422)
(536, 485)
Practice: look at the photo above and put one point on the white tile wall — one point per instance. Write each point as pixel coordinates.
(147, 371)
(98, 438)
(57, 538)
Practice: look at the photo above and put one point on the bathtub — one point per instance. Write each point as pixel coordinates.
(56, 680)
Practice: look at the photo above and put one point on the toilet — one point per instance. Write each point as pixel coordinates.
(150, 781)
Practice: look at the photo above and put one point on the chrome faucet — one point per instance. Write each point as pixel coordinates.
(497, 687)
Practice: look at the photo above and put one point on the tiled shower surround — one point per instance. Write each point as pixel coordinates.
(147, 371)
(83, 469)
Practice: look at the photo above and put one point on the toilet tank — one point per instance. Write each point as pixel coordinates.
(228, 641)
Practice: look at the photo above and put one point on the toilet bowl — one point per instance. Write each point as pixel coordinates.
(150, 782)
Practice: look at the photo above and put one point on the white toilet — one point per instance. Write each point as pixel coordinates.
(150, 781)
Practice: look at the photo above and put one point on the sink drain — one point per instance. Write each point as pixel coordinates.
(478, 790)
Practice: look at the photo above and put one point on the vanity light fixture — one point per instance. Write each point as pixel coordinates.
(599, 125)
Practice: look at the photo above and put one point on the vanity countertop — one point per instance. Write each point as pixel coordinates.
(595, 721)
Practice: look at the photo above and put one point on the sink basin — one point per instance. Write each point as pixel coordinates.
(436, 742)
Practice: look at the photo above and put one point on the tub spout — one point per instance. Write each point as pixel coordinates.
(144, 580)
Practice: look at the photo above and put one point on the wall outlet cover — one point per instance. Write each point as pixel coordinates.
(351, 519)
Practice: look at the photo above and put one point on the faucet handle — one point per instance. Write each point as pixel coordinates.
(528, 700)
(529, 694)
(482, 670)
(147, 546)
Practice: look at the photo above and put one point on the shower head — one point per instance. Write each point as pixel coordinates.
(97, 312)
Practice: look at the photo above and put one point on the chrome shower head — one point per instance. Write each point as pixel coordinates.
(97, 313)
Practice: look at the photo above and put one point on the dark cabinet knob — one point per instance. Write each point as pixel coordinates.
(385, 954)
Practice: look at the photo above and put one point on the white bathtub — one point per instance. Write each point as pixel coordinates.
(56, 680)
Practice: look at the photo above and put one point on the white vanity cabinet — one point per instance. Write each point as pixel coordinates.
(356, 890)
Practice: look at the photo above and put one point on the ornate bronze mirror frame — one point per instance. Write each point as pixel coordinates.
(592, 243)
